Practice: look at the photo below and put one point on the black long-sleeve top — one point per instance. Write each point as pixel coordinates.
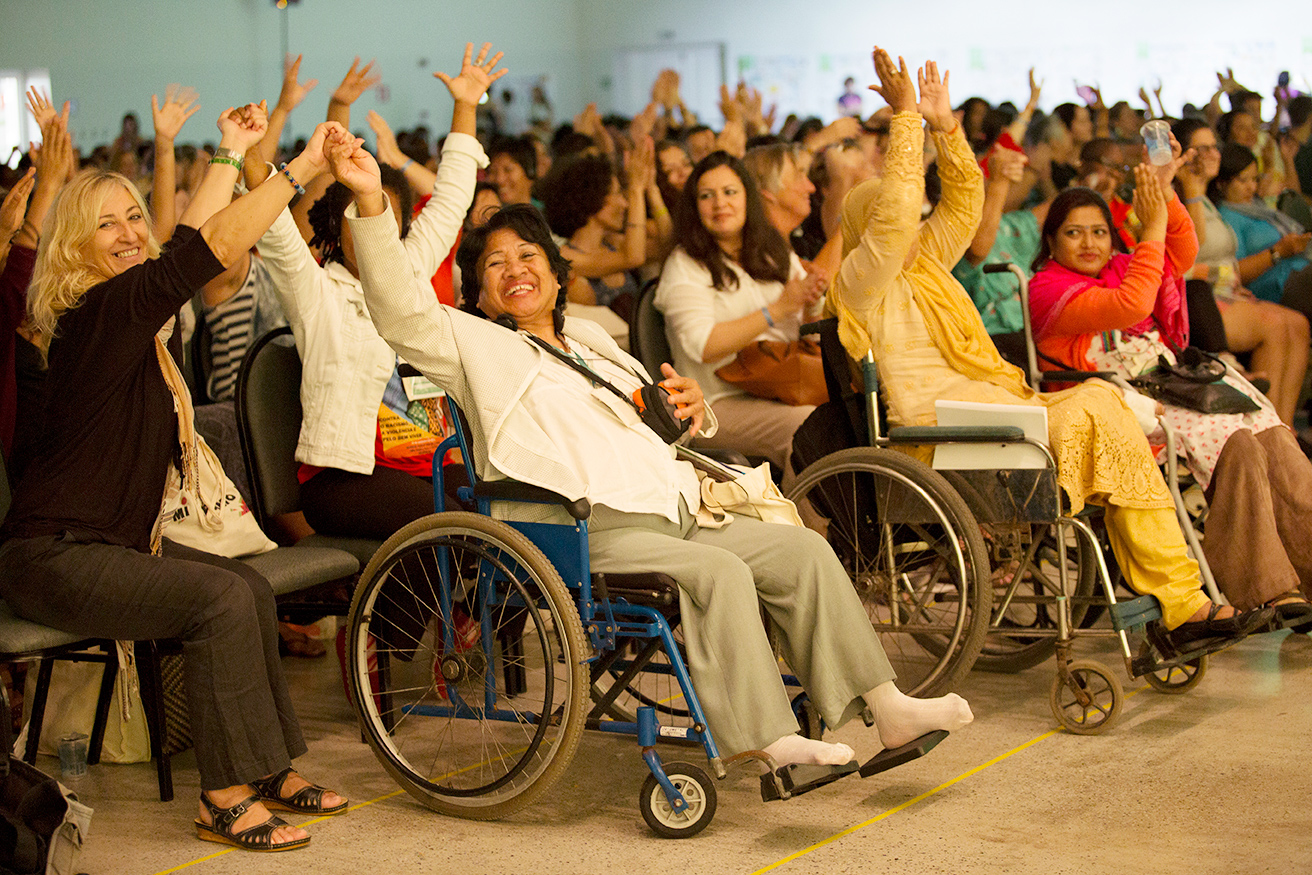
(110, 429)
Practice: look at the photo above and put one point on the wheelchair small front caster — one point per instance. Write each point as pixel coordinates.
(1087, 699)
(1175, 679)
(698, 791)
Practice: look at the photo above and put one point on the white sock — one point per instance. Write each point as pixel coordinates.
(806, 751)
(900, 719)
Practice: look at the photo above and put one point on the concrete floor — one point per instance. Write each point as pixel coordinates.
(1213, 781)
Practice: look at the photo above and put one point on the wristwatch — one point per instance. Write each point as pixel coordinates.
(228, 156)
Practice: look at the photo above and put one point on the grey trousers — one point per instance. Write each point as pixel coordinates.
(724, 576)
(242, 720)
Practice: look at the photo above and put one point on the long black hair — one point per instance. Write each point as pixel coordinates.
(527, 222)
(1235, 159)
(1062, 205)
(764, 254)
(328, 212)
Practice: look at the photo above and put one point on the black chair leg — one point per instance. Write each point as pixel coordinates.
(152, 699)
(102, 704)
(44, 668)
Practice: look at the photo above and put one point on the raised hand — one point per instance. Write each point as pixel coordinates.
(643, 124)
(243, 127)
(388, 150)
(1166, 172)
(640, 162)
(179, 105)
(730, 108)
(42, 109)
(1036, 90)
(1149, 202)
(294, 91)
(346, 157)
(357, 81)
(935, 102)
(1007, 164)
(476, 76)
(54, 159)
(895, 84)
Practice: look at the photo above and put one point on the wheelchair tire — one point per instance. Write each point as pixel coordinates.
(1175, 679)
(915, 556)
(467, 665)
(698, 790)
(1008, 649)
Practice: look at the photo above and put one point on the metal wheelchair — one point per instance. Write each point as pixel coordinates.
(965, 568)
(479, 650)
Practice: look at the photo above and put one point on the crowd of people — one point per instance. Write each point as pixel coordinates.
(136, 277)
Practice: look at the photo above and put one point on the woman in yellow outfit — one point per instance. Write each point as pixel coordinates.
(895, 294)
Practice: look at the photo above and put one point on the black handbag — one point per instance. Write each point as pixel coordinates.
(1194, 382)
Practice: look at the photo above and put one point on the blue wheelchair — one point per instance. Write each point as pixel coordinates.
(479, 650)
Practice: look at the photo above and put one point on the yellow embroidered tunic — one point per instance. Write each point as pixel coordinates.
(895, 294)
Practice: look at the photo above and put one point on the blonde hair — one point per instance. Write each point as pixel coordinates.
(63, 273)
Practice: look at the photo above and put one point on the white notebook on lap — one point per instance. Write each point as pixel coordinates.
(973, 457)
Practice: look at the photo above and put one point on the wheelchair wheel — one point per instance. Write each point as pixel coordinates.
(1175, 679)
(914, 553)
(1100, 691)
(467, 665)
(697, 790)
(1024, 634)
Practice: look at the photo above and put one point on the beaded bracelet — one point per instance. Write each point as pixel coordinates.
(300, 189)
(765, 311)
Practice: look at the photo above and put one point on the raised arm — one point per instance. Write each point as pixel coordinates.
(421, 179)
(55, 164)
(179, 105)
(289, 97)
(952, 224)
(357, 81)
(1006, 167)
(886, 230)
(1109, 308)
(240, 129)
(438, 224)
(234, 229)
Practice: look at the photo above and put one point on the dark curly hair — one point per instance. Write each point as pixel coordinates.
(764, 254)
(574, 191)
(527, 222)
(328, 211)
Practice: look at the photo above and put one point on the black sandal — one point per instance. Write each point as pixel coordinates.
(255, 838)
(307, 800)
(1292, 611)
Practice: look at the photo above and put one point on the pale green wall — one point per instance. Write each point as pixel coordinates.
(109, 61)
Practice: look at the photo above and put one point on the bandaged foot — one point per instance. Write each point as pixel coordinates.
(806, 751)
(901, 719)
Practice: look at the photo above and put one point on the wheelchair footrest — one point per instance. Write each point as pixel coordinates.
(796, 779)
(897, 756)
(1134, 613)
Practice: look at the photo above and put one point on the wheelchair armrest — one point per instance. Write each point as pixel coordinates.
(964, 434)
(513, 490)
(726, 457)
(1075, 376)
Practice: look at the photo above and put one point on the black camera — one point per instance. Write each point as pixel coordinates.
(659, 413)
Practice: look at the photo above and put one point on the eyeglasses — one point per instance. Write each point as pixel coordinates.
(1206, 147)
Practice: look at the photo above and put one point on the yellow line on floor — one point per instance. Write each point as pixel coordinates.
(923, 796)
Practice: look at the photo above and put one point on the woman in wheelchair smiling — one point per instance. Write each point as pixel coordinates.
(538, 420)
(1257, 481)
(895, 295)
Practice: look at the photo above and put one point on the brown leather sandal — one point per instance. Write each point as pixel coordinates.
(307, 800)
(255, 838)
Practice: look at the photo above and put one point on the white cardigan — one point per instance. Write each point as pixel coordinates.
(484, 367)
(346, 365)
